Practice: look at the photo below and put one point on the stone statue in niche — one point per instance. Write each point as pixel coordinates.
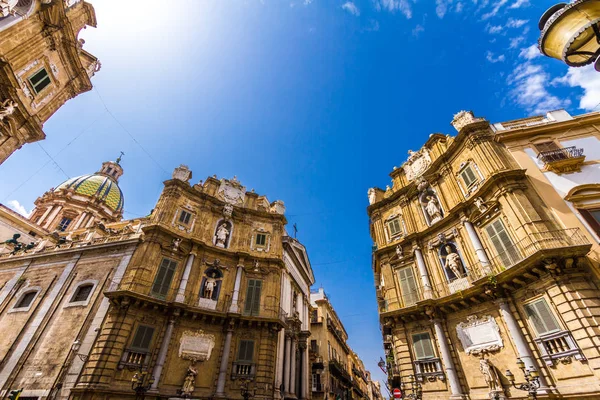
(399, 252)
(222, 234)
(490, 375)
(480, 204)
(433, 209)
(453, 262)
(372, 195)
(189, 383)
(209, 287)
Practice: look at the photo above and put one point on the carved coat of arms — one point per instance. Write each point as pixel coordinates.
(417, 164)
(232, 191)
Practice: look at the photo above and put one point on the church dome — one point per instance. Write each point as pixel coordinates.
(99, 186)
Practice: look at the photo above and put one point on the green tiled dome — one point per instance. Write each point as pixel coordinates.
(99, 186)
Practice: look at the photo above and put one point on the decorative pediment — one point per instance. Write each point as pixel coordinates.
(417, 163)
(582, 194)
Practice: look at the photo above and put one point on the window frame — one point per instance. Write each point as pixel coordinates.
(60, 226)
(238, 359)
(463, 173)
(251, 310)
(390, 223)
(34, 86)
(466, 188)
(529, 306)
(82, 303)
(588, 217)
(22, 293)
(136, 349)
(185, 217)
(506, 251)
(431, 345)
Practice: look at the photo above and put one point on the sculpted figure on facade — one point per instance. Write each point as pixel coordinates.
(490, 375)
(222, 234)
(371, 194)
(209, 287)
(480, 204)
(433, 209)
(453, 262)
(7, 108)
(189, 384)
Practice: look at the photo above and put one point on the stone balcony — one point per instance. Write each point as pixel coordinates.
(569, 159)
(524, 261)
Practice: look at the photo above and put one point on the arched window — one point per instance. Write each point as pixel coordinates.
(82, 293)
(25, 299)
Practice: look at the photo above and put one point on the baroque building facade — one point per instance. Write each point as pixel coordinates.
(337, 371)
(476, 267)
(43, 65)
(208, 294)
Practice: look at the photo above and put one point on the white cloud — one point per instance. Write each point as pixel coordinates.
(417, 30)
(529, 82)
(18, 207)
(589, 80)
(531, 52)
(351, 8)
(441, 7)
(493, 29)
(491, 58)
(516, 23)
(516, 41)
(520, 3)
(395, 5)
(459, 7)
(495, 9)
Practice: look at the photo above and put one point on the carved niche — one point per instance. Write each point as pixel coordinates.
(417, 163)
(479, 335)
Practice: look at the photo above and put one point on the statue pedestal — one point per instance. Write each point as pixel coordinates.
(500, 395)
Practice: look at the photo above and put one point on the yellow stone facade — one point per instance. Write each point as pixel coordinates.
(476, 266)
(43, 65)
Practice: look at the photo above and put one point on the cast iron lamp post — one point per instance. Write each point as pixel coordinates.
(532, 380)
(141, 383)
(415, 388)
(571, 33)
(245, 391)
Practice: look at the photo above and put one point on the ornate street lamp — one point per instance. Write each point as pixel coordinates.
(571, 33)
(415, 387)
(532, 380)
(245, 390)
(141, 383)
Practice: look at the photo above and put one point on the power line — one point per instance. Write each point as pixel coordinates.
(53, 160)
(128, 133)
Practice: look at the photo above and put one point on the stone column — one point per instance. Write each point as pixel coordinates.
(48, 210)
(162, 354)
(447, 360)
(184, 279)
(303, 372)
(280, 364)
(52, 216)
(287, 366)
(293, 367)
(234, 308)
(79, 220)
(224, 363)
(518, 339)
(427, 288)
(481, 255)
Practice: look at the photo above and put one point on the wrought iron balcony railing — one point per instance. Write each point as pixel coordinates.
(560, 154)
(558, 346)
(430, 369)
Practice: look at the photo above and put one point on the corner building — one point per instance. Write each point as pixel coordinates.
(474, 270)
(43, 65)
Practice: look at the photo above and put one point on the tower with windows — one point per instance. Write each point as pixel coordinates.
(82, 201)
(475, 268)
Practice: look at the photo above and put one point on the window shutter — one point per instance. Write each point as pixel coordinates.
(142, 337)
(252, 306)
(422, 346)
(246, 351)
(502, 243)
(163, 279)
(541, 317)
(408, 285)
(468, 176)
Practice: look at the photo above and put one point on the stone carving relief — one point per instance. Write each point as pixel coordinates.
(196, 345)
(7, 108)
(232, 191)
(464, 118)
(479, 335)
(480, 204)
(429, 202)
(417, 163)
(278, 207)
(223, 233)
(227, 211)
(189, 383)
(182, 173)
(372, 195)
(488, 370)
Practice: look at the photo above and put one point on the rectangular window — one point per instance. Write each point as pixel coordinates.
(142, 338)
(468, 176)
(394, 227)
(502, 243)
(184, 217)
(261, 239)
(422, 346)
(313, 346)
(26, 300)
(540, 316)
(40, 80)
(592, 217)
(162, 281)
(246, 351)
(253, 290)
(408, 286)
(546, 146)
(314, 316)
(82, 293)
(64, 224)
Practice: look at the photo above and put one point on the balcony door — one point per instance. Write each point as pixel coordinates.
(252, 306)
(503, 244)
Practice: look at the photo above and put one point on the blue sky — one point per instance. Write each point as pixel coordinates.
(308, 101)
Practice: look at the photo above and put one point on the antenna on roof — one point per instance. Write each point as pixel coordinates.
(295, 231)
